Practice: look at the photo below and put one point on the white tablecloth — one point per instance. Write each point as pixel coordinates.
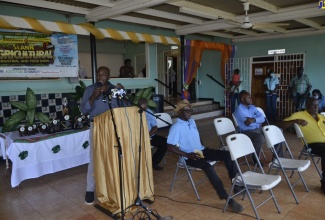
(41, 158)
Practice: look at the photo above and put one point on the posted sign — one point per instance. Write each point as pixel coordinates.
(28, 54)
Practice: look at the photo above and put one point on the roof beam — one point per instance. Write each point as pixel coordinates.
(291, 33)
(119, 8)
(143, 21)
(171, 16)
(309, 23)
(285, 14)
(107, 3)
(203, 9)
(50, 5)
(218, 34)
(243, 31)
(263, 4)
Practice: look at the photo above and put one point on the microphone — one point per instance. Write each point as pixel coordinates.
(99, 84)
(118, 93)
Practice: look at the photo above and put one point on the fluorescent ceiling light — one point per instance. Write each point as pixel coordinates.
(197, 13)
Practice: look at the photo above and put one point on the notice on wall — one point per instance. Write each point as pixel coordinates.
(29, 54)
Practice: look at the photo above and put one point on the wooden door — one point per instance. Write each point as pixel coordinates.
(259, 73)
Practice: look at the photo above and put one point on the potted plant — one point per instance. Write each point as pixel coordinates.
(26, 112)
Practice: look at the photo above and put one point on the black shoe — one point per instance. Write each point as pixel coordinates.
(89, 198)
(157, 167)
(241, 188)
(322, 186)
(235, 207)
(148, 201)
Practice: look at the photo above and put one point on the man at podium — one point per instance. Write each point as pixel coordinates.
(95, 102)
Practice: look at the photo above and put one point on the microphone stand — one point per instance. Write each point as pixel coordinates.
(120, 156)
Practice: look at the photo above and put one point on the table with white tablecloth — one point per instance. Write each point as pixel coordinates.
(40, 154)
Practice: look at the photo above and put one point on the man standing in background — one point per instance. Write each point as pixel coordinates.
(299, 89)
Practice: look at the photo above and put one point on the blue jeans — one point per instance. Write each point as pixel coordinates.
(233, 99)
(271, 106)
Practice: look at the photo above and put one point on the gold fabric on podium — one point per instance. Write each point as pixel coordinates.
(106, 162)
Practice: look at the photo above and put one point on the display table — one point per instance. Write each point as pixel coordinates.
(36, 155)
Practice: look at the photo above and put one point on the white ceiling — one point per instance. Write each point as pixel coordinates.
(209, 17)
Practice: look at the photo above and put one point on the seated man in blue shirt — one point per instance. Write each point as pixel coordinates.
(185, 134)
(250, 122)
(158, 141)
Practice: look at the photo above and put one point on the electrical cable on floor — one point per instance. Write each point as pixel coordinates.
(193, 203)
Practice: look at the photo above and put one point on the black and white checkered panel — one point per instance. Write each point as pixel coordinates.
(50, 104)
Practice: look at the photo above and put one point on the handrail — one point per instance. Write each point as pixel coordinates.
(169, 103)
(167, 86)
(211, 77)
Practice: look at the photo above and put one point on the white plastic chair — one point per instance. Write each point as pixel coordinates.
(223, 127)
(305, 151)
(239, 146)
(263, 113)
(274, 136)
(181, 164)
(235, 122)
(164, 116)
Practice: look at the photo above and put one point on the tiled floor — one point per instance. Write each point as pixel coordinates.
(61, 195)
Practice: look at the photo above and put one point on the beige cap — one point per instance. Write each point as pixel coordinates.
(182, 104)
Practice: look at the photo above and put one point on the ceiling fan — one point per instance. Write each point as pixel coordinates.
(246, 24)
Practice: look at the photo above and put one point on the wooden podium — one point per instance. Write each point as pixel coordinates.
(106, 162)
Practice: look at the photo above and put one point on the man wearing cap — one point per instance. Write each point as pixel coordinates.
(184, 133)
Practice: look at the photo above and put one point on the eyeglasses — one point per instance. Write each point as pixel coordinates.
(188, 111)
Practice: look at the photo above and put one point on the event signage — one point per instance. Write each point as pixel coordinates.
(29, 54)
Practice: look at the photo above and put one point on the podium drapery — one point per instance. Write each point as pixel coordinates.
(106, 163)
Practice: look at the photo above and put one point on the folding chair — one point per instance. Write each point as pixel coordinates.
(161, 124)
(239, 146)
(235, 122)
(224, 126)
(164, 116)
(274, 136)
(306, 151)
(263, 113)
(181, 164)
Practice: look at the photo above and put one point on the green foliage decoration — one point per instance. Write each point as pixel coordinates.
(26, 112)
(80, 89)
(56, 149)
(22, 155)
(145, 93)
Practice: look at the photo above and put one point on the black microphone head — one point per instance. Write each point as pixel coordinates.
(99, 84)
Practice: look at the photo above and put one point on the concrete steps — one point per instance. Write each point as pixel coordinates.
(201, 109)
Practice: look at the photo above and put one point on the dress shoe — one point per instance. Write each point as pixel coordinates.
(322, 186)
(157, 167)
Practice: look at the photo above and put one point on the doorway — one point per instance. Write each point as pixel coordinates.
(172, 76)
(285, 67)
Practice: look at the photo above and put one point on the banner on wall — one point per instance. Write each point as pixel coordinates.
(30, 54)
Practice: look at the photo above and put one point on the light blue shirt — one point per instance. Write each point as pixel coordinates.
(186, 135)
(271, 83)
(151, 120)
(242, 113)
(98, 106)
